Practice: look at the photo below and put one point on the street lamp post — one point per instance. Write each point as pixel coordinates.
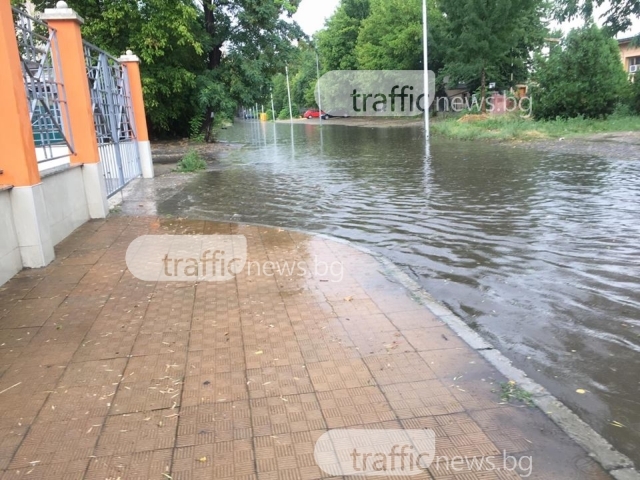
(289, 94)
(426, 69)
(319, 95)
(273, 109)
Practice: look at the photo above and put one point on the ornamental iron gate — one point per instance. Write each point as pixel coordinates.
(113, 118)
(44, 85)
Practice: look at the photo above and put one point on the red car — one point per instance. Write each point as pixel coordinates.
(311, 113)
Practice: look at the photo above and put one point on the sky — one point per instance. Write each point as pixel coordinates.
(312, 13)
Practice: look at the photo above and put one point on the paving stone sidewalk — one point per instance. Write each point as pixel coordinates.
(104, 376)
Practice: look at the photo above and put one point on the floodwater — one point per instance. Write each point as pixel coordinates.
(539, 252)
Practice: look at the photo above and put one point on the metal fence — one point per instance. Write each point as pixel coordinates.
(44, 85)
(113, 118)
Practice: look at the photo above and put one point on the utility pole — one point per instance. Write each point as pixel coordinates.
(426, 69)
(318, 75)
(289, 94)
(273, 108)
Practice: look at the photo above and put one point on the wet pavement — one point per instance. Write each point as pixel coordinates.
(535, 247)
(612, 146)
(105, 376)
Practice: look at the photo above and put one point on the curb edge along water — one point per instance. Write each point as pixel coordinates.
(619, 466)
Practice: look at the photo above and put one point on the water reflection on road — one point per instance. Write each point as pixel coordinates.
(539, 252)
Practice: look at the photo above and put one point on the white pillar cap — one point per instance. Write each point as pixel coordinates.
(61, 12)
(128, 57)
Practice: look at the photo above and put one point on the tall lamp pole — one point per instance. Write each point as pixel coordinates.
(289, 94)
(426, 69)
(318, 75)
(273, 109)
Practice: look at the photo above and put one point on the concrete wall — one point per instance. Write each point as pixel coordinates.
(66, 201)
(66, 207)
(10, 261)
(52, 151)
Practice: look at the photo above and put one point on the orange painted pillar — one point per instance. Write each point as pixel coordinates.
(18, 160)
(18, 157)
(132, 63)
(70, 60)
(70, 57)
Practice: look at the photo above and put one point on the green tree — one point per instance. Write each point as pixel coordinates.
(581, 76)
(304, 81)
(249, 42)
(619, 16)
(280, 98)
(168, 37)
(391, 37)
(634, 96)
(487, 36)
(337, 41)
(198, 57)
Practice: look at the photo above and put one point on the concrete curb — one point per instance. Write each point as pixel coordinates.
(619, 466)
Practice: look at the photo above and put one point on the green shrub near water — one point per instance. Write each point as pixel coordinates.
(583, 76)
(284, 114)
(513, 127)
(192, 162)
(634, 94)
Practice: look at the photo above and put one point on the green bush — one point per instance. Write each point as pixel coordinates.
(583, 76)
(635, 96)
(284, 114)
(623, 109)
(191, 162)
(513, 127)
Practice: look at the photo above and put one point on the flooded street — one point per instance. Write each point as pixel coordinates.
(537, 251)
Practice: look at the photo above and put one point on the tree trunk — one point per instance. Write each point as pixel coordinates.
(215, 55)
(214, 58)
(483, 92)
(208, 127)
